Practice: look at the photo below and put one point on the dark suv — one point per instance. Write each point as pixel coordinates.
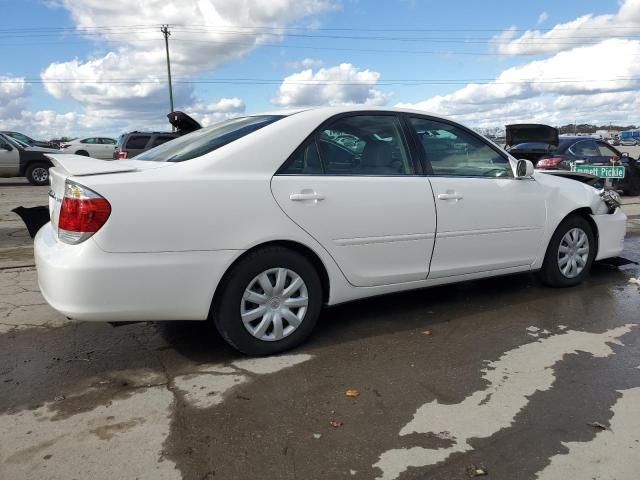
(134, 143)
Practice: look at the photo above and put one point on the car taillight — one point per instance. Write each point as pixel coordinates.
(549, 163)
(122, 155)
(82, 213)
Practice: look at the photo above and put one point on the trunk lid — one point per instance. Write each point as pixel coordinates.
(531, 132)
(183, 123)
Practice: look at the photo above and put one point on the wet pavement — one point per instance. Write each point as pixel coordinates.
(513, 379)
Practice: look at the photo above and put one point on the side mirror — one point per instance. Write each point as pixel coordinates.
(524, 169)
(625, 154)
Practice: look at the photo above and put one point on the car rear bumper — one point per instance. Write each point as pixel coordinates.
(611, 232)
(84, 282)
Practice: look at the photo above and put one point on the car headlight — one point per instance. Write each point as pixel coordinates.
(611, 198)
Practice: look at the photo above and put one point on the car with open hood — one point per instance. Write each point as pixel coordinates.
(131, 144)
(550, 151)
(255, 223)
(21, 137)
(18, 159)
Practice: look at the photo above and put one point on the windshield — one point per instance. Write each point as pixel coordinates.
(206, 140)
(21, 138)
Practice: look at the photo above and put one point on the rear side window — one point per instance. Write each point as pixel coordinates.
(137, 142)
(304, 161)
(161, 139)
(208, 139)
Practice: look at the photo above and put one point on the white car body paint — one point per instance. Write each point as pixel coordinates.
(511, 379)
(176, 228)
(95, 150)
(612, 455)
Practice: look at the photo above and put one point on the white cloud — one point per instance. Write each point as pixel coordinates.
(565, 87)
(213, 32)
(305, 63)
(13, 96)
(543, 17)
(565, 36)
(342, 84)
(211, 113)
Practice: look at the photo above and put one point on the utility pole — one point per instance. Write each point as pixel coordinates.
(165, 31)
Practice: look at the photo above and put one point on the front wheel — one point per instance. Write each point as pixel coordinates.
(570, 253)
(269, 302)
(38, 174)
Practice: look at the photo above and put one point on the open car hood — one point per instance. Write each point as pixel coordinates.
(183, 123)
(531, 132)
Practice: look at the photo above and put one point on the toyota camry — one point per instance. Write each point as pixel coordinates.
(257, 222)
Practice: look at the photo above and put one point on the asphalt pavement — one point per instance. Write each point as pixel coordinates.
(500, 378)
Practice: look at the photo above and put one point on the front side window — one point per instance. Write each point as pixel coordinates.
(452, 151)
(89, 141)
(23, 138)
(5, 145)
(107, 141)
(364, 145)
(206, 140)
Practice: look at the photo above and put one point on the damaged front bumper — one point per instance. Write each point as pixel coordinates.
(611, 231)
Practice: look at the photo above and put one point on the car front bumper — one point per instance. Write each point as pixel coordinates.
(83, 282)
(611, 232)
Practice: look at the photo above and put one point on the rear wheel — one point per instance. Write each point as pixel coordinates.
(570, 253)
(38, 173)
(269, 302)
(84, 153)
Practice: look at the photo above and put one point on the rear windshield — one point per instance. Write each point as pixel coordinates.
(208, 139)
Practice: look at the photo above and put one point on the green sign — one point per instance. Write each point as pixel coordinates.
(601, 171)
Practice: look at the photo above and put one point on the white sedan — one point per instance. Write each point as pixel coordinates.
(96, 147)
(257, 222)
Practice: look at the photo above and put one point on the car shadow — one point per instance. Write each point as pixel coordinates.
(420, 309)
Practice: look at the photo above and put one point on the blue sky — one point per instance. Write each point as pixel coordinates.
(460, 31)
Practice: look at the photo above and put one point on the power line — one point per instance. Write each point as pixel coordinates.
(309, 28)
(278, 32)
(258, 81)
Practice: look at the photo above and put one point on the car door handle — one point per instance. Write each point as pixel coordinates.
(450, 196)
(301, 197)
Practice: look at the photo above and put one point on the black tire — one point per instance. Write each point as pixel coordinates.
(226, 307)
(550, 273)
(84, 153)
(34, 173)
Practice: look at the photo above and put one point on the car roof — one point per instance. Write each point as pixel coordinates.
(346, 109)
